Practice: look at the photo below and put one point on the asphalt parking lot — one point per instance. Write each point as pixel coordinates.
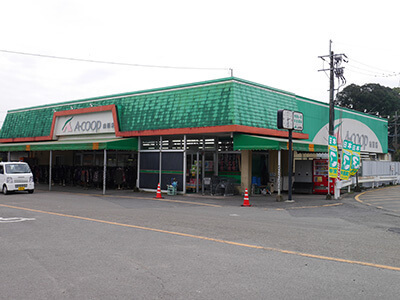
(81, 245)
(387, 198)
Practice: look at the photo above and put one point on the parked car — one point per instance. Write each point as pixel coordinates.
(16, 176)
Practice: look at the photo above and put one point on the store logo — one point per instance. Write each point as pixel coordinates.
(351, 130)
(356, 138)
(85, 124)
(67, 125)
(88, 126)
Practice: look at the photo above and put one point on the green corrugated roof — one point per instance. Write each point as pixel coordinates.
(212, 103)
(226, 101)
(180, 107)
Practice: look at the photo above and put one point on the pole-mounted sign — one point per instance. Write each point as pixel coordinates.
(290, 120)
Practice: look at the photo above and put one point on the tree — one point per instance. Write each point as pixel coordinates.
(375, 99)
(370, 98)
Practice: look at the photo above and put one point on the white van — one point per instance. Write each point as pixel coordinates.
(16, 176)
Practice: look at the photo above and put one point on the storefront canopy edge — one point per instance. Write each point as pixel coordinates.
(253, 142)
(87, 144)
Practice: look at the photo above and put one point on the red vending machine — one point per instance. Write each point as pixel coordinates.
(320, 176)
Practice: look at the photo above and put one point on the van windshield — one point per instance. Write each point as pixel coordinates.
(17, 168)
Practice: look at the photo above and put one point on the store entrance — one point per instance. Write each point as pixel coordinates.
(194, 174)
(86, 168)
(260, 180)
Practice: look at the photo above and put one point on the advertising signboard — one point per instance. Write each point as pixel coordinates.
(333, 157)
(297, 120)
(355, 159)
(346, 160)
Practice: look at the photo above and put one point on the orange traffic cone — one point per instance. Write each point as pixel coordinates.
(246, 201)
(158, 196)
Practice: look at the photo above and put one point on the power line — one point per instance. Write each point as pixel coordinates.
(111, 62)
(365, 72)
(361, 71)
(370, 70)
(371, 67)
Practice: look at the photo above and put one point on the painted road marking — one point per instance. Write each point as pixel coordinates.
(15, 219)
(380, 199)
(335, 259)
(303, 207)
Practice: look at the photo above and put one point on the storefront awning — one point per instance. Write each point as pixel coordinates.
(78, 144)
(254, 142)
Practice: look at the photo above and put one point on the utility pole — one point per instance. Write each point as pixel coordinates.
(331, 92)
(334, 70)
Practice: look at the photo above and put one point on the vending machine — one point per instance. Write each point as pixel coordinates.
(320, 176)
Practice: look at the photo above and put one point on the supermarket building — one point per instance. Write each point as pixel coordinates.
(224, 129)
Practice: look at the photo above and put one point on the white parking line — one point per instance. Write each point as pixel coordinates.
(15, 219)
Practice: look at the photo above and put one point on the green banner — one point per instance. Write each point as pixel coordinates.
(333, 157)
(346, 160)
(355, 159)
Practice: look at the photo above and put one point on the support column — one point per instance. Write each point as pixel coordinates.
(203, 173)
(138, 163)
(50, 168)
(290, 168)
(216, 158)
(104, 172)
(278, 178)
(197, 172)
(160, 162)
(184, 164)
(9, 156)
(246, 170)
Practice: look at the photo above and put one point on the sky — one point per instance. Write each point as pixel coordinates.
(275, 43)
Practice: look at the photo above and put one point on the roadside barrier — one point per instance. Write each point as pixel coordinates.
(375, 180)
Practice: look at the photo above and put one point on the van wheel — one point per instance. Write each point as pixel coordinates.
(5, 190)
(30, 191)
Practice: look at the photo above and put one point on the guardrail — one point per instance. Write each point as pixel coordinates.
(394, 179)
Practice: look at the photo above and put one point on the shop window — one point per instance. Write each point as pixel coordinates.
(111, 160)
(149, 143)
(225, 145)
(126, 160)
(172, 143)
(88, 159)
(229, 166)
(229, 162)
(60, 160)
(200, 144)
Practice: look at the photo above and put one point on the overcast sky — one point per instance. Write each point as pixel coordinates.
(275, 43)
